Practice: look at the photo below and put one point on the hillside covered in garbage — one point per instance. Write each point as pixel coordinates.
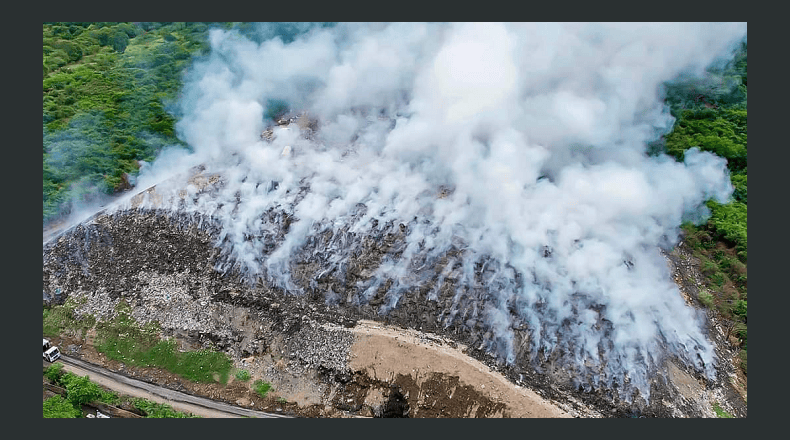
(517, 189)
(165, 265)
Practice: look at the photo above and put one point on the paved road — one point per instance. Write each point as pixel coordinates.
(179, 401)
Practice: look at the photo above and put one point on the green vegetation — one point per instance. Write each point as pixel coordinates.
(712, 116)
(159, 410)
(109, 101)
(56, 407)
(720, 413)
(261, 387)
(123, 339)
(706, 298)
(53, 372)
(719, 130)
(110, 94)
(275, 108)
(62, 319)
(243, 375)
(108, 89)
(80, 391)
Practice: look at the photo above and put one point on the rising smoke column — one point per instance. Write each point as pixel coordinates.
(538, 130)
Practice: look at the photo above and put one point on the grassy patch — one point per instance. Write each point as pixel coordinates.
(261, 387)
(706, 298)
(56, 407)
(243, 375)
(125, 340)
(109, 397)
(61, 319)
(742, 356)
(159, 410)
(720, 413)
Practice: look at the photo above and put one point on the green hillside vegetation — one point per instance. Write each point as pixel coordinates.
(712, 116)
(108, 88)
(124, 339)
(110, 93)
(80, 390)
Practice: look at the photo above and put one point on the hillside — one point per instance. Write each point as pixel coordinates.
(523, 207)
(712, 115)
(109, 90)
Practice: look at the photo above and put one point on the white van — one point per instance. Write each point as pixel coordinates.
(51, 354)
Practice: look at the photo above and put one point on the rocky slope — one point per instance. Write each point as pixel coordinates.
(166, 264)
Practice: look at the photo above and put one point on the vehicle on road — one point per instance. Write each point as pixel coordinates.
(51, 352)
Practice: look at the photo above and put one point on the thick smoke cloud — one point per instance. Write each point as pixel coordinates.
(537, 133)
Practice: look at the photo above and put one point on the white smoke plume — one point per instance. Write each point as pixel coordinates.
(538, 131)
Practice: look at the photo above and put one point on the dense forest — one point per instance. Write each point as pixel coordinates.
(110, 93)
(711, 115)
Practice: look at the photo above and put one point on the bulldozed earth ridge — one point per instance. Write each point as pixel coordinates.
(317, 353)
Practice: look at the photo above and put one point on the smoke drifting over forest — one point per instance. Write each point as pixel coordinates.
(524, 145)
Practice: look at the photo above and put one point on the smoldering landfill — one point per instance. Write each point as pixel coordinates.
(504, 165)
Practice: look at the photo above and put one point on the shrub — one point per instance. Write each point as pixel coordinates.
(54, 372)
(706, 298)
(155, 410)
(109, 397)
(708, 267)
(719, 278)
(56, 407)
(243, 375)
(262, 387)
(80, 390)
(740, 308)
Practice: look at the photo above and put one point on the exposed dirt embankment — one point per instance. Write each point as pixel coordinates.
(389, 372)
(325, 359)
(437, 379)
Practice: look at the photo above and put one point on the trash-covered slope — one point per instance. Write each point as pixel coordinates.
(168, 265)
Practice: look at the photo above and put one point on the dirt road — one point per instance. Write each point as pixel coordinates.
(179, 401)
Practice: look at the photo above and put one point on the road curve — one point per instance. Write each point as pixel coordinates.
(179, 401)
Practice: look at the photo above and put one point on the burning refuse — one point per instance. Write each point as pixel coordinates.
(499, 170)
